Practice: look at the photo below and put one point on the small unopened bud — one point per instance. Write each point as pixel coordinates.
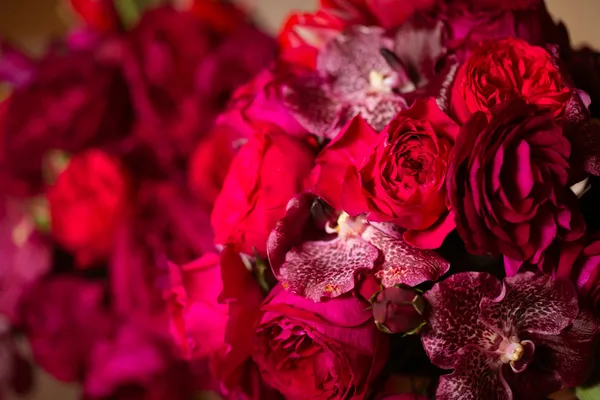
(399, 310)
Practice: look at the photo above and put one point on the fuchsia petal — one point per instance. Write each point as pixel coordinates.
(288, 231)
(403, 263)
(454, 316)
(532, 303)
(472, 378)
(327, 268)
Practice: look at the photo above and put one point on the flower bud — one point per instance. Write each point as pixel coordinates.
(399, 310)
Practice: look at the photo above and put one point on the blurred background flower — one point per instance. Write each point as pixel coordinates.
(32, 26)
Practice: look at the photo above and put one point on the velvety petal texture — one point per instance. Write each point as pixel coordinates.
(508, 184)
(329, 350)
(267, 172)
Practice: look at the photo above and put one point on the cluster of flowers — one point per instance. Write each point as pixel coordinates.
(402, 205)
(416, 196)
(108, 170)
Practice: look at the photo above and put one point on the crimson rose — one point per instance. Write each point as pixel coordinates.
(86, 203)
(504, 69)
(508, 184)
(266, 173)
(403, 178)
(329, 350)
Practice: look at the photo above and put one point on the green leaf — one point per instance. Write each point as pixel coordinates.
(588, 393)
(260, 273)
(130, 11)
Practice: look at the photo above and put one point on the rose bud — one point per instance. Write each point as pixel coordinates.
(398, 310)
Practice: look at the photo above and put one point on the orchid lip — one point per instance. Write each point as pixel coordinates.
(512, 350)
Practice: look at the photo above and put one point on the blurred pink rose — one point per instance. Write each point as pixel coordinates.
(62, 318)
(136, 363)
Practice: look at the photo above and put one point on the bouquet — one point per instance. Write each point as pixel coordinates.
(400, 204)
(109, 166)
(414, 210)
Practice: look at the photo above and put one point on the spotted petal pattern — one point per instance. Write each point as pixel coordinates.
(532, 303)
(403, 263)
(327, 269)
(471, 379)
(454, 321)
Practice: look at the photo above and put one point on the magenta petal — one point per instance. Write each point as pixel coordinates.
(288, 231)
(434, 236)
(454, 316)
(326, 269)
(524, 178)
(475, 378)
(403, 263)
(532, 303)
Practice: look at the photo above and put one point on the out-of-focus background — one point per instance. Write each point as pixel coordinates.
(30, 24)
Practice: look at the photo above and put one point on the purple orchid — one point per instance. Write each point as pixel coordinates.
(352, 78)
(364, 72)
(522, 338)
(318, 253)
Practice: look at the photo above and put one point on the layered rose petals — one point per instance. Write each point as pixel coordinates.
(326, 263)
(504, 69)
(520, 338)
(266, 173)
(329, 350)
(508, 184)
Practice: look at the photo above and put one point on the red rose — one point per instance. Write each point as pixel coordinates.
(74, 101)
(504, 69)
(99, 14)
(86, 203)
(508, 184)
(401, 179)
(267, 172)
(328, 350)
(210, 162)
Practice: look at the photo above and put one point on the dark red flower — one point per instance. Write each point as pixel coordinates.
(522, 338)
(508, 184)
(62, 319)
(328, 350)
(505, 69)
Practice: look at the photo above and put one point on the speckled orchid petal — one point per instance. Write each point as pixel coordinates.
(403, 263)
(454, 316)
(352, 78)
(474, 378)
(533, 303)
(324, 269)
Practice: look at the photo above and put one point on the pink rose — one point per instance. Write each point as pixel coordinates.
(62, 319)
(136, 363)
(232, 364)
(267, 172)
(86, 205)
(197, 319)
(210, 162)
(327, 350)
